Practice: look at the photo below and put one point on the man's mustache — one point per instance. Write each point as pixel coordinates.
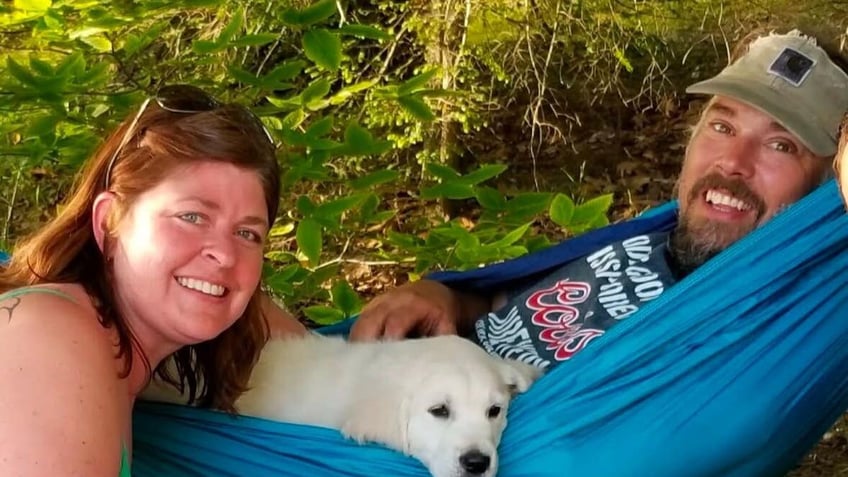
(736, 187)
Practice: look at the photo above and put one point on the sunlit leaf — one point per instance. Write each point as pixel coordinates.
(364, 31)
(323, 48)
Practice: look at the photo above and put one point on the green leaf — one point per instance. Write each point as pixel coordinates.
(442, 171)
(528, 203)
(309, 240)
(320, 128)
(364, 31)
(346, 298)
(32, 5)
(316, 90)
(335, 208)
(20, 73)
(483, 173)
(315, 13)
(305, 205)
(323, 48)
(360, 142)
(622, 60)
(512, 237)
(255, 39)
(490, 198)
(281, 230)
(323, 315)
(200, 3)
(285, 71)
(416, 83)
(43, 125)
(449, 190)
(589, 211)
(73, 63)
(345, 93)
(243, 76)
(204, 47)
(41, 67)
(374, 179)
(416, 106)
(98, 42)
(293, 119)
(232, 28)
(562, 210)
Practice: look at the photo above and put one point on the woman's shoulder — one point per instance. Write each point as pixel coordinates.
(60, 382)
(61, 312)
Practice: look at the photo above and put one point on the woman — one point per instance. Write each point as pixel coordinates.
(158, 252)
(839, 166)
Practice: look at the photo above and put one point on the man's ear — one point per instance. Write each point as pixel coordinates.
(100, 213)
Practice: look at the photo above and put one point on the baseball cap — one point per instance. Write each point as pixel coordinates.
(790, 78)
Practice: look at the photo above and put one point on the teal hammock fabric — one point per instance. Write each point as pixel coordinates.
(735, 371)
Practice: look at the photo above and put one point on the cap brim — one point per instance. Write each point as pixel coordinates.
(794, 117)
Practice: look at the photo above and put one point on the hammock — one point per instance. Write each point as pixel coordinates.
(737, 370)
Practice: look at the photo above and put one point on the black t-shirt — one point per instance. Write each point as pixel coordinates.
(555, 317)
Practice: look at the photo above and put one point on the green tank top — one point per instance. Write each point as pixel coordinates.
(125, 458)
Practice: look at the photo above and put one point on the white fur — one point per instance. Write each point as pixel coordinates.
(385, 392)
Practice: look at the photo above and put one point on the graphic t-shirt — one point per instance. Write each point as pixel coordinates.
(553, 318)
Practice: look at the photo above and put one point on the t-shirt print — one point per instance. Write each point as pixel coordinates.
(556, 317)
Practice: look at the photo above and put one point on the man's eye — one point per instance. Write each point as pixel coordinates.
(783, 146)
(720, 128)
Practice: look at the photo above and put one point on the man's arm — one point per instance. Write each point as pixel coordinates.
(424, 308)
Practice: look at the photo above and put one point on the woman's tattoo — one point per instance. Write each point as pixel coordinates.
(11, 308)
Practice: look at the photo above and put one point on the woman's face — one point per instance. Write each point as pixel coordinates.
(840, 162)
(188, 254)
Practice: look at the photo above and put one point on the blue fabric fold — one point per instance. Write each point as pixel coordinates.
(737, 370)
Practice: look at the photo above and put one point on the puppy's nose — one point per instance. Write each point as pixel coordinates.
(475, 462)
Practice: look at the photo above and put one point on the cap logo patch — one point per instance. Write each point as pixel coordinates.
(792, 65)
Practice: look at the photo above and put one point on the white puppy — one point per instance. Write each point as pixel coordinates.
(441, 400)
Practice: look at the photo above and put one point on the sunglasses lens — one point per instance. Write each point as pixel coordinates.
(185, 99)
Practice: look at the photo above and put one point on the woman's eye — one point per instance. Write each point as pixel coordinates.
(191, 217)
(250, 235)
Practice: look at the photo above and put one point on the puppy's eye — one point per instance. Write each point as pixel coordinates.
(441, 411)
(493, 412)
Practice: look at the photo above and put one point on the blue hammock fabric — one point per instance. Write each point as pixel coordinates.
(737, 370)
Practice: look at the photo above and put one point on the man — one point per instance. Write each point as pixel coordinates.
(764, 140)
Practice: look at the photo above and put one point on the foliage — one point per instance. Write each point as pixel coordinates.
(76, 68)
(380, 109)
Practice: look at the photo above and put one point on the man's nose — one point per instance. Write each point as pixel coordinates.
(739, 158)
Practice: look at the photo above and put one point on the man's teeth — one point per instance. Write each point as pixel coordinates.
(718, 198)
(202, 286)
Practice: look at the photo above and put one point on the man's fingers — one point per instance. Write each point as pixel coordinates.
(369, 325)
(445, 327)
(398, 327)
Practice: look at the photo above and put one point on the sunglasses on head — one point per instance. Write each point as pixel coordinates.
(181, 99)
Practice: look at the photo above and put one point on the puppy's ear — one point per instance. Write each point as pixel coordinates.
(381, 416)
(518, 376)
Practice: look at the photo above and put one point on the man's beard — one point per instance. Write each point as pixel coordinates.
(693, 242)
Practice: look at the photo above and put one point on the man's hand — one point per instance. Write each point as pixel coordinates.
(424, 308)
